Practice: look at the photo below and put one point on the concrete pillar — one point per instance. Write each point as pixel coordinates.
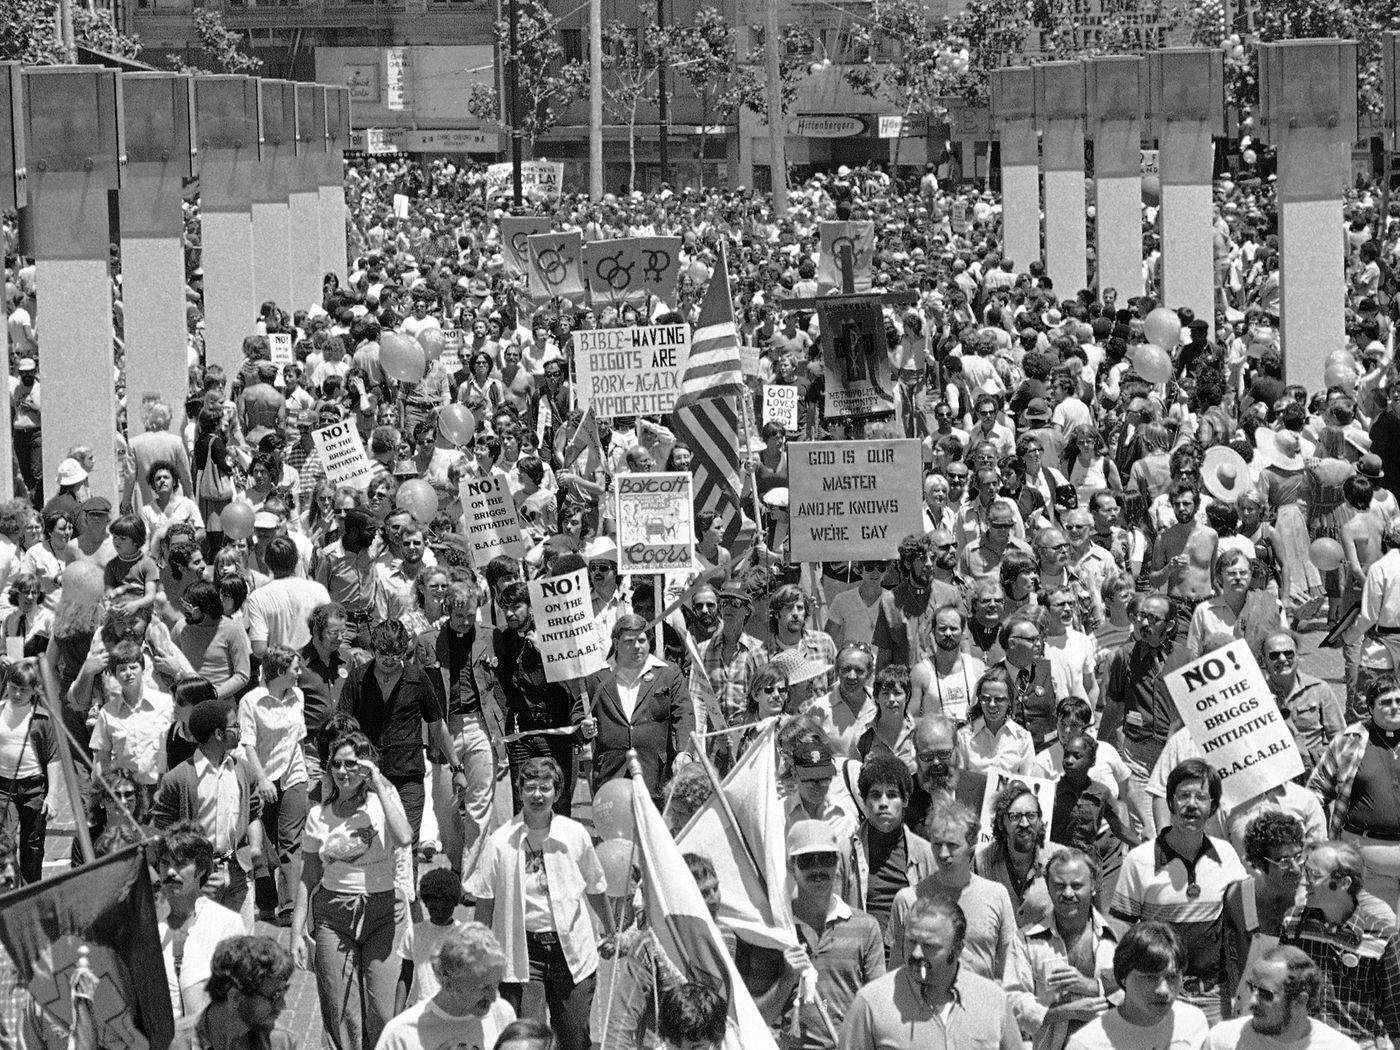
(1307, 100)
(330, 183)
(14, 194)
(1113, 89)
(1013, 121)
(272, 239)
(1059, 115)
(228, 119)
(1187, 108)
(74, 132)
(303, 202)
(160, 150)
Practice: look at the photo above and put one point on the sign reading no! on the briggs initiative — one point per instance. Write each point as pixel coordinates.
(852, 500)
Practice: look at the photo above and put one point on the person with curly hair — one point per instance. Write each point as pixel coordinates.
(1255, 907)
(1016, 857)
(248, 982)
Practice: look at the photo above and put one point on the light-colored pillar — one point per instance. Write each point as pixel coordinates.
(73, 130)
(227, 116)
(160, 153)
(1013, 121)
(272, 240)
(1059, 115)
(1186, 88)
(303, 202)
(1307, 97)
(1113, 90)
(14, 194)
(330, 183)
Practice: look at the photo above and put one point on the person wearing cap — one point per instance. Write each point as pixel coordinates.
(814, 768)
(1382, 499)
(730, 657)
(640, 703)
(26, 426)
(92, 542)
(841, 947)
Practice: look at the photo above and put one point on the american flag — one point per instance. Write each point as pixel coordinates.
(707, 410)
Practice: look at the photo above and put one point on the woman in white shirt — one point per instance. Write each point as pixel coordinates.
(273, 724)
(991, 738)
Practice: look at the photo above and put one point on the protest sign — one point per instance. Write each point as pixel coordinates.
(654, 522)
(453, 340)
(780, 405)
(998, 778)
(489, 520)
(855, 359)
(613, 270)
(661, 265)
(837, 238)
(516, 230)
(569, 641)
(853, 500)
(556, 263)
(539, 179)
(280, 352)
(1226, 705)
(342, 453)
(632, 371)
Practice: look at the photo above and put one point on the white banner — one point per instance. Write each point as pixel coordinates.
(630, 371)
(655, 527)
(1226, 704)
(565, 633)
(998, 778)
(780, 405)
(342, 453)
(489, 520)
(539, 179)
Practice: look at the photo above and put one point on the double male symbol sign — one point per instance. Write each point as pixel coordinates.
(610, 270)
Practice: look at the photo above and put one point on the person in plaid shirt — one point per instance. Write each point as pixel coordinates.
(1358, 954)
(729, 657)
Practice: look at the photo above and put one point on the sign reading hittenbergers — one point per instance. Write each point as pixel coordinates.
(852, 500)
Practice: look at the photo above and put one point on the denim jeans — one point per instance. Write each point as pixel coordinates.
(356, 969)
(569, 1003)
(283, 821)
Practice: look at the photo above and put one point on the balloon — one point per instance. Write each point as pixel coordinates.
(616, 857)
(401, 358)
(1163, 327)
(612, 810)
(1342, 357)
(1338, 374)
(418, 498)
(1152, 363)
(1325, 553)
(1250, 157)
(699, 272)
(433, 343)
(457, 424)
(237, 519)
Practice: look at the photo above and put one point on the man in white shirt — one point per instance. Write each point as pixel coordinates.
(466, 1011)
(279, 612)
(1284, 987)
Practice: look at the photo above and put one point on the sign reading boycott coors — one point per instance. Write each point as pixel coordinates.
(569, 641)
(631, 371)
(342, 452)
(1227, 706)
(853, 500)
(654, 527)
(489, 520)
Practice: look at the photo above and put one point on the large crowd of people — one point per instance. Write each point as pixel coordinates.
(329, 724)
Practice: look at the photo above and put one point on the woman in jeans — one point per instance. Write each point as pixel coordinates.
(530, 885)
(346, 907)
(28, 744)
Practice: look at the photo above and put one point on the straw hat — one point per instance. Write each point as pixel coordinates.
(1224, 473)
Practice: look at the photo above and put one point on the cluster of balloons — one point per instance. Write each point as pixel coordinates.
(406, 360)
(1341, 370)
(615, 823)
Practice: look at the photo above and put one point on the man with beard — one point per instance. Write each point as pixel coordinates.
(248, 982)
(528, 698)
(1014, 857)
(939, 771)
(1184, 553)
(900, 623)
(704, 619)
(1052, 551)
(1285, 986)
(942, 682)
(1181, 877)
(842, 945)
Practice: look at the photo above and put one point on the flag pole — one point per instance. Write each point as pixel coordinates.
(698, 746)
(70, 779)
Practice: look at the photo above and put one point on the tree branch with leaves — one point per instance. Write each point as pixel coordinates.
(547, 84)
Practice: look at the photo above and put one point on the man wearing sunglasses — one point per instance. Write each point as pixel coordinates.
(1309, 706)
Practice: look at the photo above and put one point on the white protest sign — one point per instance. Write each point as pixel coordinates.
(568, 639)
(539, 179)
(633, 371)
(998, 778)
(400, 206)
(1231, 715)
(780, 405)
(342, 452)
(281, 355)
(655, 529)
(853, 500)
(489, 519)
(453, 340)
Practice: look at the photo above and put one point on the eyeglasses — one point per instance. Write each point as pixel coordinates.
(1028, 638)
(1202, 797)
(1023, 818)
(1293, 862)
(780, 688)
(1056, 547)
(808, 861)
(1312, 876)
(1148, 620)
(346, 764)
(998, 524)
(929, 757)
(601, 569)
(1281, 655)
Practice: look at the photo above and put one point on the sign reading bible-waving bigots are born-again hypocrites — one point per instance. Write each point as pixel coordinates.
(852, 500)
(631, 371)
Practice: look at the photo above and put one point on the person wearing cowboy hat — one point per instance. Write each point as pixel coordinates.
(729, 657)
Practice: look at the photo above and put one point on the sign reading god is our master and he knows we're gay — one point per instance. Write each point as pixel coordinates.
(852, 500)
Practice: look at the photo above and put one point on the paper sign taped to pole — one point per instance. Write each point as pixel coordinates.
(489, 519)
(1230, 712)
(655, 527)
(998, 778)
(632, 371)
(280, 352)
(661, 265)
(780, 405)
(569, 641)
(343, 454)
(853, 500)
(516, 230)
(613, 270)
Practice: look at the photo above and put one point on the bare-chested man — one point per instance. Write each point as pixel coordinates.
(1184, 554)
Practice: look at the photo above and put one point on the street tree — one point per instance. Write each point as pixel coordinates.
(630, 82)
(222, 48)
(705, 53)
(27, 32)
(547, 84)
